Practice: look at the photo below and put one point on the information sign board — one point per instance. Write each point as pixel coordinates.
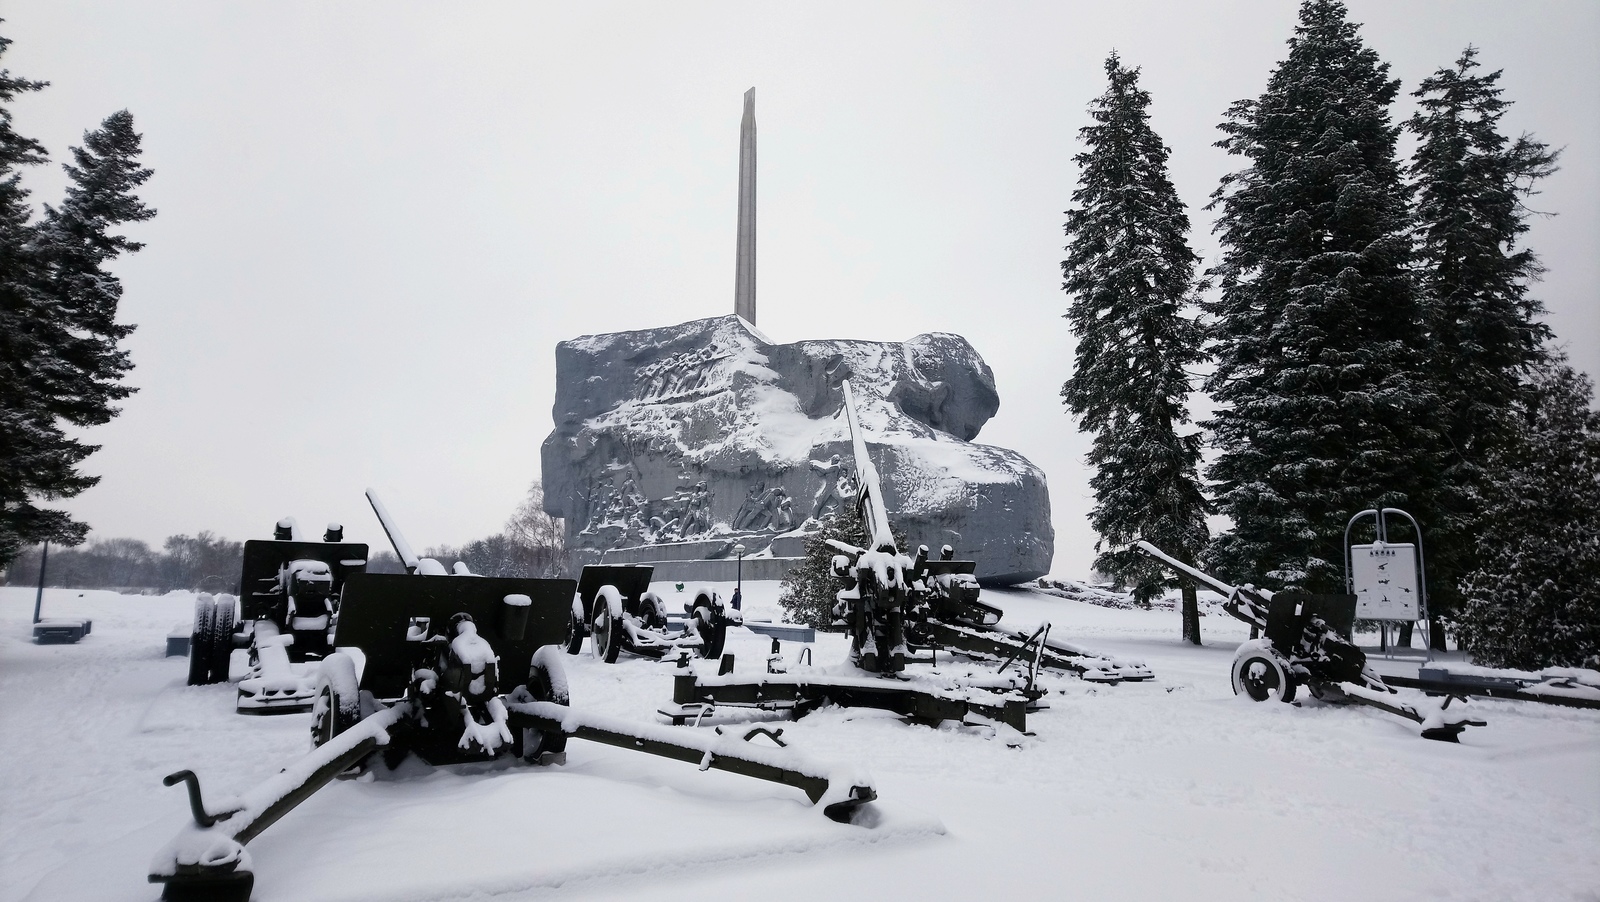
(1385, 581)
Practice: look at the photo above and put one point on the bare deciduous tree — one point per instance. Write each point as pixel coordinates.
(541, 538)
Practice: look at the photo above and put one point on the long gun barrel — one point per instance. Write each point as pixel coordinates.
(401, 547)
(1253, 601)
(871, 489)
(1185, 569)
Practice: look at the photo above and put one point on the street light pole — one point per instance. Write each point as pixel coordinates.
(738, 585)
(39, 598)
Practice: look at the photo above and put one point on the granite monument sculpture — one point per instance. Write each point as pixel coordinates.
(707, 433)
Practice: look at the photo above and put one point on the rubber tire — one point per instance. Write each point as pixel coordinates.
(1274, 682)
(221, 640)
(332, 713)
(652, 611)
(200, 643)
(606, 633)
(542, 688)
(575, 631)
(712, 635)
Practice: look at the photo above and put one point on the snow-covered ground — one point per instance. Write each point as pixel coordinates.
(1166, 790)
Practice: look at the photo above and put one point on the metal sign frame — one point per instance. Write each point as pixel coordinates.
(1380, 517)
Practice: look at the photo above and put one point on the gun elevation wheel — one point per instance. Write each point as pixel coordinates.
(1262, 677)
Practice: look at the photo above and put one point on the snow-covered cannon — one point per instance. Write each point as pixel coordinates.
(947, 613)
(615, 607)
(872, 605)
(456, 670)
(289, 596)
(894, 605)
(1305, 640)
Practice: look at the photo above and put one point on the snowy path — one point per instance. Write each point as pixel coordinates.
(1172, 789)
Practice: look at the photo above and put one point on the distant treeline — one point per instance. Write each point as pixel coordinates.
(529, 545)
(202, 562)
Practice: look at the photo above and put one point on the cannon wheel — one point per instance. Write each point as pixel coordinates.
(200, 642)
(338, 704)
(575, 629)
(607, 633)
(713, 636)
(652, 612)
(547, 682)
(1262, 676)
(221, 643)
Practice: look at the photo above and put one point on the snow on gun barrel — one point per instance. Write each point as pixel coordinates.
(1306, 640)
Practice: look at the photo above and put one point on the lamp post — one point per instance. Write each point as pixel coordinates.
(44, 556)
(738, 584)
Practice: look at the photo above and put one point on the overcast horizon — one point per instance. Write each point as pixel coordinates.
(376, 220)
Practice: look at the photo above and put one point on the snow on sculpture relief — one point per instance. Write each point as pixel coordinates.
(707, 430)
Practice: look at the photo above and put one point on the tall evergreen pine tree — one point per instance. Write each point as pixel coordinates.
(1532, 597)
(1470, 185)
(59, 357)
(1318, 329)
(1130, 272)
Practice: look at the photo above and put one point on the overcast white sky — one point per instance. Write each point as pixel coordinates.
(376, 219)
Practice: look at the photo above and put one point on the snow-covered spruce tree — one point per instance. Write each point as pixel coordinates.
(1532, 599)
(59, 357)
(27, 465)
(1470, 183)
(1317, 330)
(807, 593)
(1129, 271)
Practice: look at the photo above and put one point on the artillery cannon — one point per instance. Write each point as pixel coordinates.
(892, 602)
(946, 613)
(614, 606)
(1305, 640)
(444, 659)
(290, 594)
(894, 607)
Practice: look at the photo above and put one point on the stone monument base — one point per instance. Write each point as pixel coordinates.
(704, 561)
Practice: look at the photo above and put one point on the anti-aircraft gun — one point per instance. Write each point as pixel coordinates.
(456, 669)
(895, 606)
(872, 605)
(902, 604)
(1306, 640)
(290, 590)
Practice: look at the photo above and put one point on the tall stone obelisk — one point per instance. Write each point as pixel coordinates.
(744, 276)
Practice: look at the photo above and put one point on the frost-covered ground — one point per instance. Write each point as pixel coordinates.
(1170, 790)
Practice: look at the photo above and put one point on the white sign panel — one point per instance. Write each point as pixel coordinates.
(1385, 578)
